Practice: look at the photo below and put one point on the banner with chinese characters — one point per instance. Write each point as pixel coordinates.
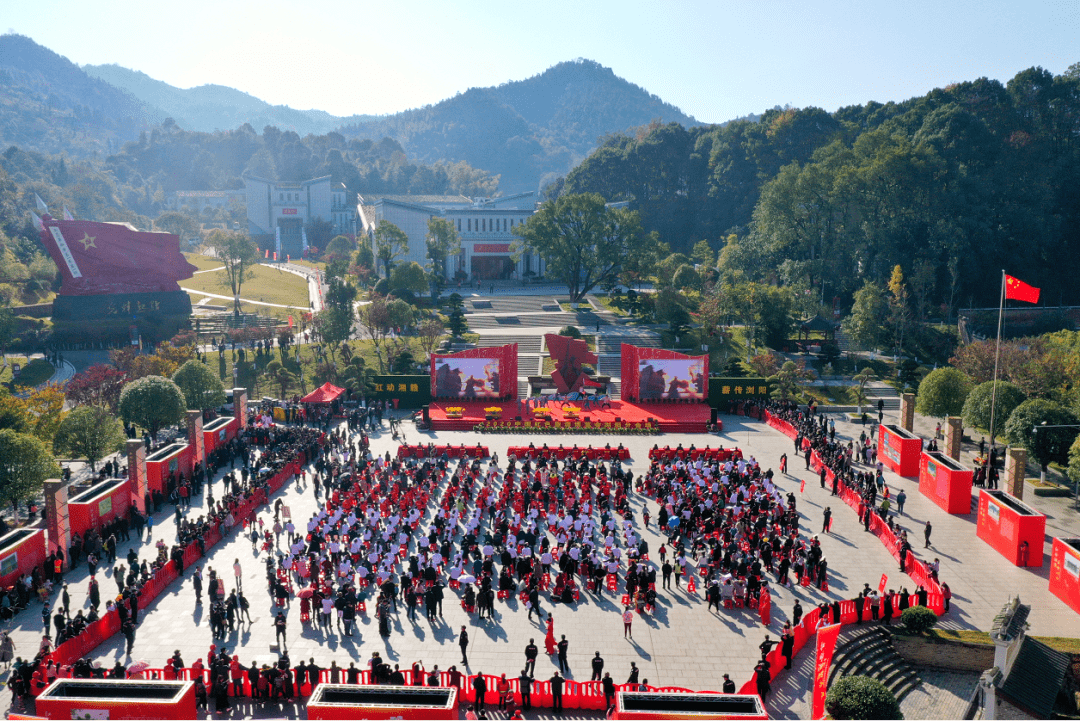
(726, 390)
(826, 643)
(412, 391)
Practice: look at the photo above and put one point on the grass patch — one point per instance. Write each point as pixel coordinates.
(202, 262)
(831, 395)
(1058, 643)
(5, 371)
(267, 285)
(316, 264)
(33, 373)
(605, 301)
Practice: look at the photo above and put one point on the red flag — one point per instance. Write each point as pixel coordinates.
(884, 582)
(826, 643)
(275, 255)
(267, 256)
(802, 487)
(290, 321)
(1019, 290)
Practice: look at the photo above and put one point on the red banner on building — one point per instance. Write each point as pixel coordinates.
(491, 248)
(288, 211)
(826, 643)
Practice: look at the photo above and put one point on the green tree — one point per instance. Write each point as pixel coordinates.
(584, 242)
(399, 313)
(408, 276)
(686, 278)
(861, 379)
(391, 243)
(152, 402)
(375, 320)
(25, 465)
(201, 387)
(239, 254)
(442, 242)
(1074, 464)
(773, 311)
(90, 432)
(340, 246)
(180, 224)
(866, 321)
(942, 393)
(458, 325)
(861, 697)
(703, 255)
(1046, 444)
(899, 309)
(976, 411)
(786, 380)
(7, 330)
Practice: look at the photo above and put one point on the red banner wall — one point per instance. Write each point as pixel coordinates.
(826, 643)
(631, 354)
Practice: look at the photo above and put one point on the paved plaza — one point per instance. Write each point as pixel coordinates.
(683, 644)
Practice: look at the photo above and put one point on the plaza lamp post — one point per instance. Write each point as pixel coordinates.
(1042, 467)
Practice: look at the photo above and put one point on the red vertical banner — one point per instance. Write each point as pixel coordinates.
(884, 582)
(802, 487)
(826, 643)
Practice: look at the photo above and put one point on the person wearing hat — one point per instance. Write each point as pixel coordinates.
(729, 685)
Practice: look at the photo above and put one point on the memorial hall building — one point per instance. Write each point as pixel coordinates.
(483, 225)
(279, 211)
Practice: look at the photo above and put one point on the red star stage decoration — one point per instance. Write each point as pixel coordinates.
(1019, 290)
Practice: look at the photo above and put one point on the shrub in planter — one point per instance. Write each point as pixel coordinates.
(861, 697)
(918, 619)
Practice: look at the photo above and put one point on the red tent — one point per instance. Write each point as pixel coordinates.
(326, 393)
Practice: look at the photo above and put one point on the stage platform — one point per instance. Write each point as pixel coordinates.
(671, 417)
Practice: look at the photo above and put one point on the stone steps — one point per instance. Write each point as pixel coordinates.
(869, 652)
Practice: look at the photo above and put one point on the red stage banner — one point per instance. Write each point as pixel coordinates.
(826, 643)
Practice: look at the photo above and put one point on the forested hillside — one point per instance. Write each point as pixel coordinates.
(953, 186)
(529, 131)
(217, 107)
(47, 103)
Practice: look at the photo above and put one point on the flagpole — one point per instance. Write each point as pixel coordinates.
(997, 355)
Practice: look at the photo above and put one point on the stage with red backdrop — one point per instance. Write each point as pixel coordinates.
(476, 374)
(655, 375)
(668, 417)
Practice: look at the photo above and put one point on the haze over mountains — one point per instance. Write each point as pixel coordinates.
(527, 131)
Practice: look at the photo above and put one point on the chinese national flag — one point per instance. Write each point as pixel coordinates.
(1019, 290)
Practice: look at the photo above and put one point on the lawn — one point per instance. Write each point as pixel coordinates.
(267, 285)
(1058, 643)
(33, 373)
(202, 262)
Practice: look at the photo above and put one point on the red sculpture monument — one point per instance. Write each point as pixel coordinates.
(113, 269)
(569, 355)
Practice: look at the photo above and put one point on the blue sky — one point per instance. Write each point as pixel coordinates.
(715, 60)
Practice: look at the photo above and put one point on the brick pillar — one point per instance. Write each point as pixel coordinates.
(907, 411)
(1015, 471)
(136, 458)
(240, 405)
(954, 435)
(195, 436)
(56, 517)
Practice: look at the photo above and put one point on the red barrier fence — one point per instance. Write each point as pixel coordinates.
(451, 451)
(667, 453)
(593, 454)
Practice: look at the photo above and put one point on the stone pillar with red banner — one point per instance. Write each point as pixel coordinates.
(826, 643)
(56, 515)
(136, 459)
(195, 437)
(240, 406)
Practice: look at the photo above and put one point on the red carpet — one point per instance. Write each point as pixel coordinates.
(672, 417)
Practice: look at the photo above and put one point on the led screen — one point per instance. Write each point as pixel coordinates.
(671, 379)
(467, 378)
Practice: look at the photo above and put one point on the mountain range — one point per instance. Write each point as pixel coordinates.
(528, 131)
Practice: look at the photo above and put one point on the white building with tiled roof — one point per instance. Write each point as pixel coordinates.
(484, 226)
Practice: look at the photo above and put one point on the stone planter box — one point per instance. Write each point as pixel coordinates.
(944, 653)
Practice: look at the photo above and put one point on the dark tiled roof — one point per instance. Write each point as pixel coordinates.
(1016, 624)
(1036, 677)
(818, 323)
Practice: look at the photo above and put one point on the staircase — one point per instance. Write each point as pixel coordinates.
(868, 651)
(877, 390)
